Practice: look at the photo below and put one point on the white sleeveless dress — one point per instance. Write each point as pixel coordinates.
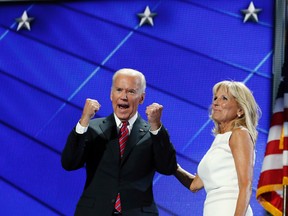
(218, 173)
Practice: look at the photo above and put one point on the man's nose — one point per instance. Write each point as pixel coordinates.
(124, 94)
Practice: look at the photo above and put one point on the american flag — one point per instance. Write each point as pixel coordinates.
(274, 173)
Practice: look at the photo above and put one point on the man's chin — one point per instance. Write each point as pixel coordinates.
(123, 116)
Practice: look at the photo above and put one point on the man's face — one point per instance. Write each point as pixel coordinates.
(126, 96)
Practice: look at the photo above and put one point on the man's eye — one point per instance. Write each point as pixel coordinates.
(132, 92)
(215, 98)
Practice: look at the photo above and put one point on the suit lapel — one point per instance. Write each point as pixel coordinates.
(140, 128)
(109, 131)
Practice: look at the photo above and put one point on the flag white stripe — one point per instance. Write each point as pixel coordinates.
(285, 100)
(285, 158)
(285, 129)
(278, 105)
(275, 133)
(272, 162)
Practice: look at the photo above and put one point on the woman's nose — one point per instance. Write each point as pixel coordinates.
(215, 103)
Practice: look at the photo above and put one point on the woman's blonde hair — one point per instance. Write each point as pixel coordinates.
(246, 101)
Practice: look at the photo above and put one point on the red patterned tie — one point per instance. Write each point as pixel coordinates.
(124, 133)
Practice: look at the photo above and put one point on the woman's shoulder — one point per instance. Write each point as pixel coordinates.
(240, 134)
(240, 129)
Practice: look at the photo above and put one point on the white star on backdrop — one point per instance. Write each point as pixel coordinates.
(146, 17)
(24, 21)
(251, 13)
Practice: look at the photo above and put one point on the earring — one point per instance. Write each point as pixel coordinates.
(239, 115)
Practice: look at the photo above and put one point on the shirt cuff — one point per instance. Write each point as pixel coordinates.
(80, 129)
(155, 132)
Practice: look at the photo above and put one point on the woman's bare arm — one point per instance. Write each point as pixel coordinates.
(243, 152)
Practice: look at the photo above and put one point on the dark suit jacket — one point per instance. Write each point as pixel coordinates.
(98, 151)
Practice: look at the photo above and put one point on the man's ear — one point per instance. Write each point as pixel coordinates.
(142, 98)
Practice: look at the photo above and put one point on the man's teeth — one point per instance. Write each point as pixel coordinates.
(123, 106)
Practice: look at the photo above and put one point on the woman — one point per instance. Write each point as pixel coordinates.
(226, 170)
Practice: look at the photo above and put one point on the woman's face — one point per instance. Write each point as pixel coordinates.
(224, 107)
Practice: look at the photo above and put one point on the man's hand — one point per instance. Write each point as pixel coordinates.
(196, 184)
(154, 113)
(90, 109)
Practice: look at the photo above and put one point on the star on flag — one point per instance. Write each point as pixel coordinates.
(251, 13)
(24, 21)
(146, 17)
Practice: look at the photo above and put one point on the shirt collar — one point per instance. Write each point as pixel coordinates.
(131, 120)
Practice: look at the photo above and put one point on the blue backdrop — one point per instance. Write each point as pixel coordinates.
(71, 53)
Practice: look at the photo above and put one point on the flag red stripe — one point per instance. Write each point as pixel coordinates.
(277, 119)
(270, 177)
(273, 148)
(285, 171)
(285, 114)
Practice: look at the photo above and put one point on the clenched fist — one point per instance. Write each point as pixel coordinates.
(90, 109)
(154, 113)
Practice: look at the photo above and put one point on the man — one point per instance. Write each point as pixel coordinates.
(119, 181)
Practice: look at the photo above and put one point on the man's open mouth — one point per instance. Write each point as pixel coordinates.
(123, 106)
